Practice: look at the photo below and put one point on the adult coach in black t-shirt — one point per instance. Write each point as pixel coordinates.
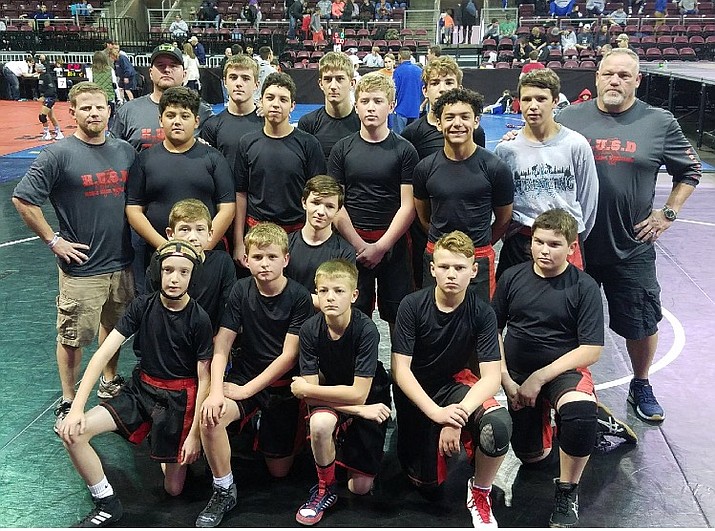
(461, 186)
(274, 165)
(375, 165)
(554, 319)
(84, 177)
(439, 75)
(337, 118)
(436, 395)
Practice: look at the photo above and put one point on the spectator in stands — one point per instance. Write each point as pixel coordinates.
(576, 12)
(601, 38)
(325, 7)
(351, 11)
(265, 56)
(508, 28)
(316, 25)
(618, 17)
(622, 41)
(367, 12)
(446, 23)
(43, 14)
(209, 13)
(457, 15)
(179, 29)
(568, 39)
(383, 10)
(295, 17)
(408, 83)
(537, 43)
(583, 96)
(661, 11)
(199, 51)
(373, 59)
(532, 64)
(469, 19)
(521, 50)
(561, 8)
(636, 6)
(584, 38)
(492, 31)
(595, 8)
(688, 7)
(337, 8)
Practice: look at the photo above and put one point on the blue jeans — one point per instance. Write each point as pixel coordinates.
(13, 83)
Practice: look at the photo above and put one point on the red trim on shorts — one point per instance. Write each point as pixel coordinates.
(585, 385)
(140, 433)
(191, 386)
(371, 235)
(252, 222)
(486, 251)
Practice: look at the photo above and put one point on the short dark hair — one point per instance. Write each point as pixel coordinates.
(436, 50)
(265, 52)
(459, 95)
(280, 79)
(180, 97)
(324, 186)
(559, 221)
(543, 78)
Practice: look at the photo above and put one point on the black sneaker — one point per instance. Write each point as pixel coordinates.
(609, 425)
(106, 511)
(221, 502)
(61, 412)
(322, 497)
(565, 505)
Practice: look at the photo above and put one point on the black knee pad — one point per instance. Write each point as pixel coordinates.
(494, 432)
(576, 427)
(43, 118)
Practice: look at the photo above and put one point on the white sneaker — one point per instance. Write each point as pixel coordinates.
(47, 136)
(479, 504)
(59, 135)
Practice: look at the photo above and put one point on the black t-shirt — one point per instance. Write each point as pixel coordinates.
(86, 185)
(441, 343)
(338, 361)
(264, 322)
(168, 343)
(462, 194)
(427, 139)
(210, 285)
(159, 178)
(273, 172)
(46, 85)
(329, 130)
(372, 174)
(546, 317)
(305, 258)
(224, 131)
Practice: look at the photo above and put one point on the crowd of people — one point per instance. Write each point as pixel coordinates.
(246, 256)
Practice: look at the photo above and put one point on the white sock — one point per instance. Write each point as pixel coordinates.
(102, 489)
(224, 482)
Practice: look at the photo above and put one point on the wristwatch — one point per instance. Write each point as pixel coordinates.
(669, 213)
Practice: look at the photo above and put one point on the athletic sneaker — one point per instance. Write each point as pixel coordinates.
(565, 505)
(109, 389)
(61, 412)
(59, 135)
(608, 424)
(322, 496)
(47, 136)
(641, 397)
(106, 511)
(480, 506)
(221, 502)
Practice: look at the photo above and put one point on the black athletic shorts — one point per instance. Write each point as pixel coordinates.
(532, 430)
(360, 442)
(418, 436)
(281, 429)
(633, 294)
(49, 102)
(163, 409)
(393, 276)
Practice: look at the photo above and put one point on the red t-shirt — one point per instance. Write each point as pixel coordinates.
(528, 67)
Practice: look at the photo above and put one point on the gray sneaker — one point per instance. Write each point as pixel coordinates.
(61, 412)
(109, 389)
(221, 502)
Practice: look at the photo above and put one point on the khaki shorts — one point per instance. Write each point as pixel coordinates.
(86, 302)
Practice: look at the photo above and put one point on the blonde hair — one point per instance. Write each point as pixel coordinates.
(376, 82)
(442, 66)
(265, 234)
(336, 61)
(189, 50)
(456, 242)
(338, 268)
(83, 88)
(241, 62)
(189, 210)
